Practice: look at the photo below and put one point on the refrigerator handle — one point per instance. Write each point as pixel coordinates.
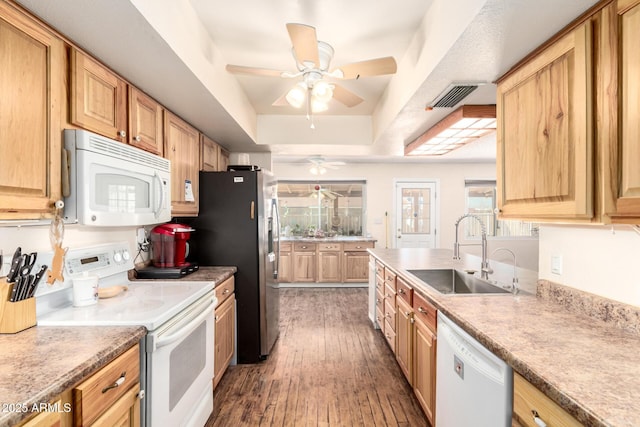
(252, 213)
(276, 236)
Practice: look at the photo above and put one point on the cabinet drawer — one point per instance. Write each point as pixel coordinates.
(380, 301)
(285, 246)
(390, 336)
(304, 247)
(390, 313)
(380, 319)
(225, 289)
(380, 270)
(404, 291)
(527, 398)
(357, 246)
(389, 293)
(92, 397)
(425, 311)
(331, 247)
(390, 278)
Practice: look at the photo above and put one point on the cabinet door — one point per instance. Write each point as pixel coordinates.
(284, 267)
(329, 264)
(47, 419)
(208, 155)
(628, 200)
(223, 159)
(98, 98)
(424, 367)
(31, 79)
(182, 147)
(355, 267)
(225, 327)
(404, 339)
(145, 122)
(544, 134)
(304, 266)
(123, 413)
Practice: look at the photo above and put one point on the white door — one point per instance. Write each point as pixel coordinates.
(415, 215)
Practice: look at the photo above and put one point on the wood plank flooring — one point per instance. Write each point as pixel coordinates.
(329, 367)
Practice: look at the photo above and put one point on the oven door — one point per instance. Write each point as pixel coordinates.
(180, 368)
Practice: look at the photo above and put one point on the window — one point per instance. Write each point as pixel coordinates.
(333, 207)
(481, 202)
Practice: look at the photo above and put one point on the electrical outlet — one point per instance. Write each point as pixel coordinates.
(556, 264)
(141, 235)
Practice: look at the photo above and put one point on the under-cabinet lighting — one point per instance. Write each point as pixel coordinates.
(464, 125)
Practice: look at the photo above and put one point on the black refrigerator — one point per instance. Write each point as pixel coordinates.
(238, 225)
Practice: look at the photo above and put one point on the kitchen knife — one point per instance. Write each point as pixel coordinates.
(27, 282)
(17, 289)
(36, 279)
(15, 265)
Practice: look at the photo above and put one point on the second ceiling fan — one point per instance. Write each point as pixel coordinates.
(313, 59)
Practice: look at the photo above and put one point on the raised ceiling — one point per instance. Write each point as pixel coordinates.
(177, 50)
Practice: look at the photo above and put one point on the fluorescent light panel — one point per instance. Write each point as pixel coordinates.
(464, 125)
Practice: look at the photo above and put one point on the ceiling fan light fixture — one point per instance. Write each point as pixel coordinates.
(296, 95)
(317, 170)
(318, 106)
(322, 91)
(464, 125)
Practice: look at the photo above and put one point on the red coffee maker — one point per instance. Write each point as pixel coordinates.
(169, 245)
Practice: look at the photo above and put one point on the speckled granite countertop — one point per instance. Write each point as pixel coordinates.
(339, 239)
(587, 365)
(41, 362)
(204, 273)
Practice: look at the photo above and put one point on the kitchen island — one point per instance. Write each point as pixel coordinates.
(553, 336)
(40, 363)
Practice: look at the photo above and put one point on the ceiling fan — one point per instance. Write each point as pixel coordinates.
(313, 58)
(319, 165)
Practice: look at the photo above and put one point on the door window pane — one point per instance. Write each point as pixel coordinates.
(415, 211)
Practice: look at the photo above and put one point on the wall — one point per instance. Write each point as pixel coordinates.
(596, 259)
(36, 238)
(380, 179)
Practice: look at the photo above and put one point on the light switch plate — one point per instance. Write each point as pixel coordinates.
(556, 264)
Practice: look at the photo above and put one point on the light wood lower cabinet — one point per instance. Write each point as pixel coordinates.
(424, 367)
(50, 418)
(304, 262)
(285, 263)
(528, 400)
(355, 265)
(107, 393)
(329, 262)
(404, 338)
(225, 328)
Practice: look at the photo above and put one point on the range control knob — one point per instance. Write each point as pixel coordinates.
(125, 255)
(117, 257)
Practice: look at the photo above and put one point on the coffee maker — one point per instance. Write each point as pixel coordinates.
(169, 250)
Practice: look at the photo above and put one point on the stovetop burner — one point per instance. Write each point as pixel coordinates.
(152, 272)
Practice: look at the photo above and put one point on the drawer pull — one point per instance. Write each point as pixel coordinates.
(117, 383)
(378, 300)
(422, 310)
(537, 419)
(401, 291)
(226, 291)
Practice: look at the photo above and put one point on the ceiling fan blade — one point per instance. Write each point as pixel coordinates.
(264, 72)
(345, 96)
(371, 67)
(305, 43)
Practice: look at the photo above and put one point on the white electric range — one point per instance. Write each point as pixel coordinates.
(176, 364)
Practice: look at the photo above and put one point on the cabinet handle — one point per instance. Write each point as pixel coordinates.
(422, 310)
(141, 394)
(137, 138)
(378, 300)
(117, 383)
(537, 419)
(358, 247)
(401, 291)
(303, 247)
(122, 133)
(226, 291)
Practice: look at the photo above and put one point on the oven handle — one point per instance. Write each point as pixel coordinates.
(188, 328)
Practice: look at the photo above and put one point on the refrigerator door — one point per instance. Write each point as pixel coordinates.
(232, 228)
(272, 297)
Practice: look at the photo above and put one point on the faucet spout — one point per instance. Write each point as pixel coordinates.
(484, 266)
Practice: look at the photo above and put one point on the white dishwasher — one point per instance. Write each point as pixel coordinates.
(473, 386)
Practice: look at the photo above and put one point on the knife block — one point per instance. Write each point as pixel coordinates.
(15, 316)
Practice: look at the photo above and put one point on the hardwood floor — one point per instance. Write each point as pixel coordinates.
(329, 367)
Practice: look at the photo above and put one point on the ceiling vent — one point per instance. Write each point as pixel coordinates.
(452, 95)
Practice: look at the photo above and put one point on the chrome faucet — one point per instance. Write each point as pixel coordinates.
(514, 283)
(484, 266)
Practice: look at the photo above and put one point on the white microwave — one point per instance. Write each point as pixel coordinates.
(111, 183)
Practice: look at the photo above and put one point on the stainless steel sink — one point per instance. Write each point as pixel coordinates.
(451, 281)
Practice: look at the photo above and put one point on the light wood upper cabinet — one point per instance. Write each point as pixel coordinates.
(627, 199)
(223, 159)
(544, 134)
(145, 122)
(31, 84)
(208, 154)
(182, 147)
(98, 98)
